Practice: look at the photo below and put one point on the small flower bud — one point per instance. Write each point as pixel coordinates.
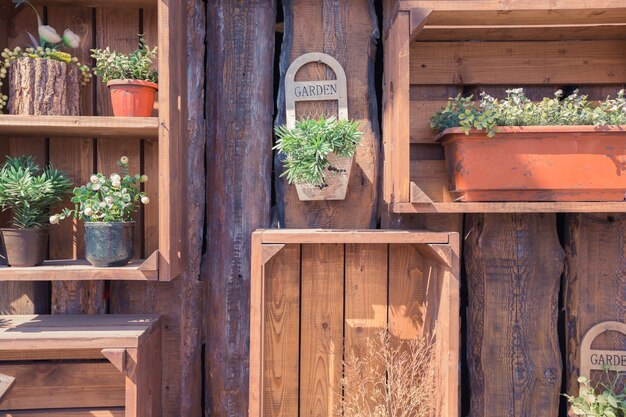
(145, 200)
(88, 212)
(54, 219)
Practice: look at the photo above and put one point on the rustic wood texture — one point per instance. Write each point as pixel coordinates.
(595, 277)
(44, 87)
(239, 102)
(313, 304)
(71, 126)
(513, 263)
(346, 31)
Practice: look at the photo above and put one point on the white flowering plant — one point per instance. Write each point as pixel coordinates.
(137, 65)
(50, 46)
(107, 199)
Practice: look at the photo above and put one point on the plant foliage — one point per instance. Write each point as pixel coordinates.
(600, 400)
(112, 199)
(137, 65)
(518, 110)
(307, 146)
(29, 191)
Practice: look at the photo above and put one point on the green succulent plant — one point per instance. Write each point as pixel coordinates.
(600, 399)
(306, 147)
(518, 110)
(112, 65)
(29, 191)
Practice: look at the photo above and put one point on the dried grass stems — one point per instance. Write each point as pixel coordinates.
(390, 378)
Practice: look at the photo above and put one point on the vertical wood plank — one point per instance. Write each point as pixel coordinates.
(24, 297)
(117, 28)
(407, 309)
(365, 303)
(239, 103)
(347, 31)
(282, 333)
(513, 263)
(150, 156)
(321, 328)
(75, 157)
(595, 276)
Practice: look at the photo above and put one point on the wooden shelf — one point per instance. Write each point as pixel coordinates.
(523, 207)
(78, 270)
(84, 126)
(8, 10)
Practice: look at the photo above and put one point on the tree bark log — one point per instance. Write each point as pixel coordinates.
(346, 30)
(595, 277)
(514, 264)
(240, 104)
(44, 87)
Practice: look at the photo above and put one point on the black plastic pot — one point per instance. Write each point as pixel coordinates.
(109, 244)
(25, 247)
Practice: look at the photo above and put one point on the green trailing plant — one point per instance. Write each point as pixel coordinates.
(112, 65)
(49, 45)
(306, 147)
(107, 199)
(29, 191)
(518, 110)
(600, 399)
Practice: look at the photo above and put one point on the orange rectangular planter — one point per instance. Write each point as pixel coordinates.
(537, 163)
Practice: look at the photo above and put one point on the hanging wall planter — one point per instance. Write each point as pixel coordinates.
(537, 163)
(320, 164)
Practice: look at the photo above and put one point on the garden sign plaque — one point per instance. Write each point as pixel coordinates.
(328, 91)
(593, 359)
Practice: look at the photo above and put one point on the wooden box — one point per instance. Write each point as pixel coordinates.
(94, 141)
(317, 294)
(435, 50)
(103, 365)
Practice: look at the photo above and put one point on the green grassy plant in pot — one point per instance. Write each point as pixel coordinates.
(318, 156)
(28, 192)
(107, 204)
(130, 78)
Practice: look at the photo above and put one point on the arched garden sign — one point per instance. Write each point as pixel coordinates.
(591, 359)
(337, 177)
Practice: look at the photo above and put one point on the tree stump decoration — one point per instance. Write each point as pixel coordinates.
(513, 264)
(595, 276)
(44, 87)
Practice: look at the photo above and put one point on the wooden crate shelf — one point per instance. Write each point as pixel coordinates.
(79, 126)
(77, 270)
(94, 141)
(102, 365)
(318, 293)
(434, 50)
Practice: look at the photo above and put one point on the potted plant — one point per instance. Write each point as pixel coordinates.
(318, 156)
(107, 204)
(44, 79)
(130, 78)
(558, 149)
(605, 399)
(28, 191)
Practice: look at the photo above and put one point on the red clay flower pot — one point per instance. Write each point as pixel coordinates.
(537, 163)
(132, 98)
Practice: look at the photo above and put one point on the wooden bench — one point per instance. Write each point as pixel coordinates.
(80, 365)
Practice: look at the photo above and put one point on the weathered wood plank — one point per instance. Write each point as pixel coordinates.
(346, 30)
(406, 289)
(239, 102)
(282, 333)
(321, 331)
(518, 63)
(595, 275)
(69, 412)
(63, 385)
(513, 263)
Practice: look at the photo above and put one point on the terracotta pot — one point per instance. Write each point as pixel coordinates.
(109, 244)
(132, 98)
(25, 247)
(538, 163)
(336, 182)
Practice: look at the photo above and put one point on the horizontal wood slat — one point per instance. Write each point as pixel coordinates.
(77, 126)
(513, 207)
(349, 236)
(517, 63)
(69, 412)
(529, 32)
(63, 385)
